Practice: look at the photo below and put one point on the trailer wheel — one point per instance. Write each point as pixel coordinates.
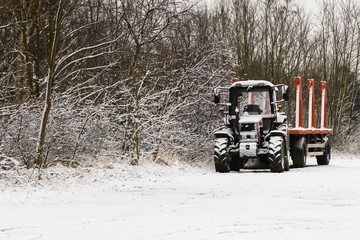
(325, 159)
(221, 155)
(299, 152)
(276, 154)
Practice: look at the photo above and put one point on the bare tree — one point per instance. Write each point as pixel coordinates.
(146, 22)
(65, 64)
(339, 60)
(55, 28)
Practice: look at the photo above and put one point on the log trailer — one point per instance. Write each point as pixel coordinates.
(255, 128)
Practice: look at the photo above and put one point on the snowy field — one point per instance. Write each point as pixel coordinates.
(117, 201)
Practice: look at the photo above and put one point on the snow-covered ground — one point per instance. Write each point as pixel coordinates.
(151, 201)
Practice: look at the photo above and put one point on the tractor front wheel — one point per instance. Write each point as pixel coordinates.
(221, 155)
(277, 154)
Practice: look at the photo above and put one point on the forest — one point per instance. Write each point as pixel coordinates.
(133, 79)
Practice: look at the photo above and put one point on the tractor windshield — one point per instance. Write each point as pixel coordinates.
(254, 102)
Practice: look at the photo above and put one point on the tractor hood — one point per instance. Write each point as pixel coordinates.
(251, 119)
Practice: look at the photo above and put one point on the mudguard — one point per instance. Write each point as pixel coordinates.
(276, 133)
(224, 132)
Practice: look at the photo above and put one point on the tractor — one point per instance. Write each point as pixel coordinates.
(256, 129)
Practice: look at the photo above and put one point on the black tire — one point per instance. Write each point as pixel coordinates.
(287, 162)
(221, 155)
(277, 154)
(325, 159)
(283, 128)
(299, 152)
(236, 163)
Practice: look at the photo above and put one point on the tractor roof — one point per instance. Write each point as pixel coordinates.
(254, 83)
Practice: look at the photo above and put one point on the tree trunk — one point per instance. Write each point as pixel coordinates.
(46, 113)
(49, 87)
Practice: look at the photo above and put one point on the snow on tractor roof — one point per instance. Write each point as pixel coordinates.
(253, 83)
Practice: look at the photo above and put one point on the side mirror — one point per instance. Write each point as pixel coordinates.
(216, 96)
(285, 91)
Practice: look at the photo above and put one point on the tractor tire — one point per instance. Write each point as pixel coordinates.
(299, 152)
(287, 163)
(236, 163)
(221, 155)
(277, 154)
(283, 127)
(325, 159)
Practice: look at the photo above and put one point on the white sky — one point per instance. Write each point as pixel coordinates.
(310, 5)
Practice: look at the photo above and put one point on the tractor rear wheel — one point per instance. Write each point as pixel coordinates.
(299, 152)
(221, 155)
(287, 164)
(277, 154)
(325, 159)
(283, 127)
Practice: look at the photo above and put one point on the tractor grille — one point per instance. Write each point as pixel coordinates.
(247, 127)
(249, 132)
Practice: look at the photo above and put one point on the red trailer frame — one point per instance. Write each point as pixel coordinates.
(315, 137)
